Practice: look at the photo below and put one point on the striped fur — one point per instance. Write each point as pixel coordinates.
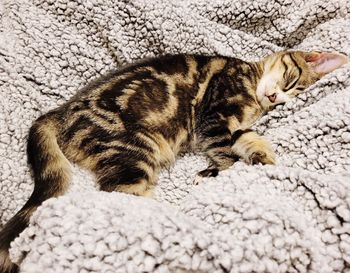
(129, 124)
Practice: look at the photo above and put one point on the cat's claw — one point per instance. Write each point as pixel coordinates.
(210, 172)
(198, 180)
(262, 157)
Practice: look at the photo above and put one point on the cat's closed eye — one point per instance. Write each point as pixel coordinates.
(290, 84)
(300, 88)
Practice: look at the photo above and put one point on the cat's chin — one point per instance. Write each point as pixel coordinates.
(266, 105)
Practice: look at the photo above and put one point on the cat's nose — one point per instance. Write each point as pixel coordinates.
(272, 97)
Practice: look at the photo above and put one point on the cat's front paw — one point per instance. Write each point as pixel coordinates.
(210, 172)
(263, 157)
(254, 149)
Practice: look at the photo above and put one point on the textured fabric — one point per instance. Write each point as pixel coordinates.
(292, 217)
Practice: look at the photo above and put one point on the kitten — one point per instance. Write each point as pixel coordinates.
(127, 125)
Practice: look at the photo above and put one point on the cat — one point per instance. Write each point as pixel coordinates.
(130, 123)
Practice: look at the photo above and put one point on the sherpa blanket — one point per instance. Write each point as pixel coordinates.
(292, 217)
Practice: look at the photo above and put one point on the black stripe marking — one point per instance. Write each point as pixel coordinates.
(97, 148)
(219, 144)
(291, 86)
(296, 64)
(97, 134)
(237, 134)
(285, 67)
(230, 156)
(299, 70)
(170, 64)
(216, 131)
(210, 172)
(83, 122)
(121, 175)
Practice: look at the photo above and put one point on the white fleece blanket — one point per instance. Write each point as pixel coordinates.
(292, 217)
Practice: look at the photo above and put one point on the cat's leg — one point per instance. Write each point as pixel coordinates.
(218, 161)
(216, 145)
(252, 148)
(127, 171)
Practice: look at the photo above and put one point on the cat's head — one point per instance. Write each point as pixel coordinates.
(287, 74)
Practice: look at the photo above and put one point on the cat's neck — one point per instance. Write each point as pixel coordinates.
(258, 72)
(250, 72)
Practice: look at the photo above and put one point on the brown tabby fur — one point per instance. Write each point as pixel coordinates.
(127, 125)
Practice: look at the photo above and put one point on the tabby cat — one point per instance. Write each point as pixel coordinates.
(127, 125)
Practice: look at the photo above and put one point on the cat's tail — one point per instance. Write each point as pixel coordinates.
(51, 170)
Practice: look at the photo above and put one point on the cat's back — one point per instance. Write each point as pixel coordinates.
(148, 89)
(155, 67)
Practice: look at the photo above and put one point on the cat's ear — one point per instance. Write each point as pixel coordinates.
(325, 62)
